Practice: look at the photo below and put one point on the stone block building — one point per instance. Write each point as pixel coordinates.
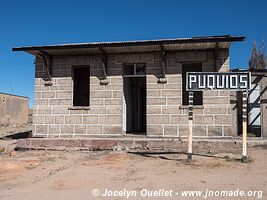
(108, 89)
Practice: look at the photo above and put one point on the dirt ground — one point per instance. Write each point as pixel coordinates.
(77, 175)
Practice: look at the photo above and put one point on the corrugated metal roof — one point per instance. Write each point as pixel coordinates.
(205, 39)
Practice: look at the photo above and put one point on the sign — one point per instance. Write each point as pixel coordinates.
(235, 81)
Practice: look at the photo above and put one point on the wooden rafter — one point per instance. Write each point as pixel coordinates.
(47, 60)
(104, 60)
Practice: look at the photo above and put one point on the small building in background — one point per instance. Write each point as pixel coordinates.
(14, 110)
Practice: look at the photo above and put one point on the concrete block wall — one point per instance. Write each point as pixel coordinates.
(54, 115)
(14, 110)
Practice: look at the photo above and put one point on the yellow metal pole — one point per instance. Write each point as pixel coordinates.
(190, 126)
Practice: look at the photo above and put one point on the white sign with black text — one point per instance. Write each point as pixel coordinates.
(236, 81)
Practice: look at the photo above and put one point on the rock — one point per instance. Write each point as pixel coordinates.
(13, 154)
(2, 149)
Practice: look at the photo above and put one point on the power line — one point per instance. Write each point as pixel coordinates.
(5, 71)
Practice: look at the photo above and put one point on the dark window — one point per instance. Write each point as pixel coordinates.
(81, 88)
(198, 96)
(128, 70)
(134, 70)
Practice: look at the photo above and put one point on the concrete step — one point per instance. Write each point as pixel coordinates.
(131, 143)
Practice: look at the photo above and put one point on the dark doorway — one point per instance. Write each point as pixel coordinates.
(81, 86)
(135, 99)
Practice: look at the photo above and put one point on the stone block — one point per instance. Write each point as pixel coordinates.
(179, 119)
(64, 94)
(117, 101)
(38, 119)
(73, 119)
(80, 129)
(110, 119)
(153, 93)
(41, 129)
(215, 110)
(114, 87)
(90, 119)
(153, 110)
(123, 58)
(203, 119)
(154, 130)
(42, 110)
(67, 129)
(94, 130)
(117, 94)
(40, 102)
(94, 80)
(100, 94)
(156, 101)
(60, 102)
(48, 95)
(97, 87)
(114, 110)
(59, 119)
(197, 130)
(97, 110)
(154, 86)
(158, 119)
(60, 110)
(170, 110)
(49, 119)
(79, 111)
(216, 100)
(112, 130)
(54, 129)
(170, 130)
(175, 79)
(174, 101)
(146, 58)
(196, 110)
(40, 88)
(96, 102)
(117, 80)
(64, 81)
(215, 130)
(228, 131)
(151, 79)
(223, 119)
(173, 86)
(37, 95)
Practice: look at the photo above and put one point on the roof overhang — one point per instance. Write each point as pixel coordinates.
(176, 44)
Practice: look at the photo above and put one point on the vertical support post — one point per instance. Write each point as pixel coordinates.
(244, 126)
(190, 125)
(163, 61)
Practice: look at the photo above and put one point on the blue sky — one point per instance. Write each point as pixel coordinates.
(31, 22)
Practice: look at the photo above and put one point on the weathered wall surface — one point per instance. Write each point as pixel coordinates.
(54, 115)
(13, 110)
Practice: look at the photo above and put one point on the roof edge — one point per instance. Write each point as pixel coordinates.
(205, 39)
(14, 95)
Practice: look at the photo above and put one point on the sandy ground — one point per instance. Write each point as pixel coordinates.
(74, 175)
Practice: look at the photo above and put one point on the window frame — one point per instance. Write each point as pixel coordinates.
(134, 66)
